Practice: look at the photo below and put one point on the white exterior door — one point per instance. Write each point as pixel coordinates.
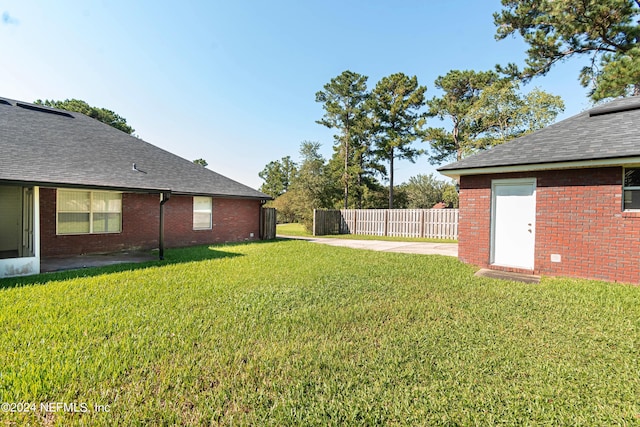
(513, 223)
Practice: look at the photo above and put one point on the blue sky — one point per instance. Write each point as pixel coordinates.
(234, 82)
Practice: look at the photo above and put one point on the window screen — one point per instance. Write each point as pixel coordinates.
(107, 212)
(202, 207)
(84, 212)
(74, 212)
(631, 189)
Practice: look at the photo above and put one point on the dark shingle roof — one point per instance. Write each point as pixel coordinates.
(609, 131)
(46, 146)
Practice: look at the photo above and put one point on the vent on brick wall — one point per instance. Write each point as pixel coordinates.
(601, 111)
(43, 110)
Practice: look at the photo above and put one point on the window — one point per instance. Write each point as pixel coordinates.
(631, 188)
(85, 212)
(202, 213)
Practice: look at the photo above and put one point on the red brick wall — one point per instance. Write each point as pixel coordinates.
(474, 221)
(579, 217)
(233, 220)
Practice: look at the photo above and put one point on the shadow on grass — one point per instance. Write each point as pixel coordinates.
(172, 256)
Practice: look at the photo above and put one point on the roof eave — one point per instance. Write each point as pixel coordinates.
(149, 190)
(223, 196)
(533, 167)
(54, 184)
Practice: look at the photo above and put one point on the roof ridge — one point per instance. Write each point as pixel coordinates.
(616, 108)
(44, 109)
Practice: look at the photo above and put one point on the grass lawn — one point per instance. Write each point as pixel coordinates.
(299, 230)
(294, 333)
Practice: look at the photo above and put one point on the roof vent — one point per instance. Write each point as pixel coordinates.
(44, 110)
(4, 102)
(606, 109)
(135, 168)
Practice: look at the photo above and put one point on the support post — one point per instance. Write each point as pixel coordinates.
(164, 198)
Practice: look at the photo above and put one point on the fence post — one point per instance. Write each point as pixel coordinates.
(314, 222)
(355, 222)
(386, 222)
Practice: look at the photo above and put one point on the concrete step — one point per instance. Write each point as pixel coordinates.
(505, 275)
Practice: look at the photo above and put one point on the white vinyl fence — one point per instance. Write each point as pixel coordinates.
(428, 223)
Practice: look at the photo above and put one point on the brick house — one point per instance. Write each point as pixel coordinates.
(563, 201)
(72, 185)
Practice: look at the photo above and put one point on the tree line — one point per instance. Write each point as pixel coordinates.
(478, 109)
(375, 128)
(315, 183)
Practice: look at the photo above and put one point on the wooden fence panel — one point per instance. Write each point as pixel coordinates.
(268, 223)
(429, 223)
(404, 223)
(441, 223)
(371, 222)
(327, 222)
(348, 224)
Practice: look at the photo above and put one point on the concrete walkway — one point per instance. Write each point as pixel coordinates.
(423, 248)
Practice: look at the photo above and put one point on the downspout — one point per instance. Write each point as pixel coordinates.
(261, 225)
(164, 198)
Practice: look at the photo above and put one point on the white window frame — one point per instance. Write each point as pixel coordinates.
(197, 209)
(91, 212)
(630, 188)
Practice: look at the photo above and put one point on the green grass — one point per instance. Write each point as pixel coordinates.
(299, 231)
(293, 229)
(293, 333)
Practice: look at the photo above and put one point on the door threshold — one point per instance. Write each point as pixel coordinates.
(506, 275)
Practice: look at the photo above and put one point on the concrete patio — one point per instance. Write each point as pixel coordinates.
(48, 265)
